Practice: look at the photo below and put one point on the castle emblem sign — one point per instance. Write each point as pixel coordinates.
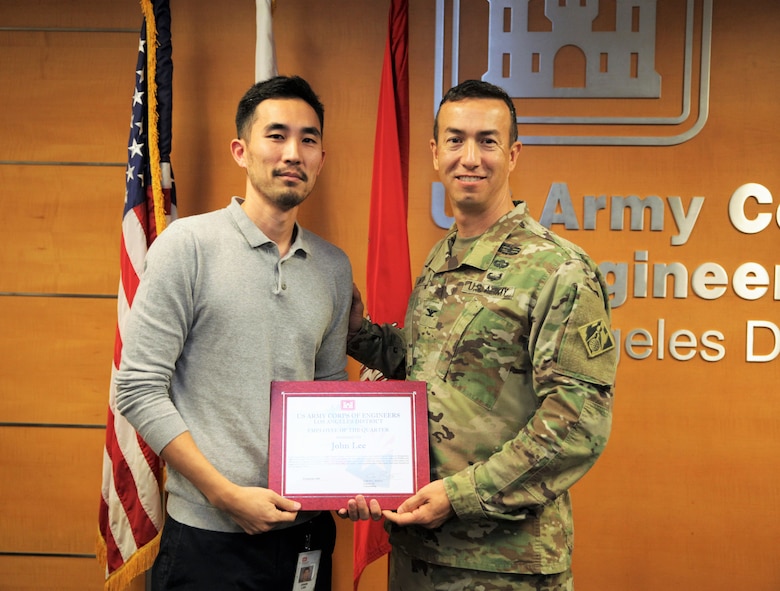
(584, 72)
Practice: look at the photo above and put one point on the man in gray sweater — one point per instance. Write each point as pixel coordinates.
(229, 301)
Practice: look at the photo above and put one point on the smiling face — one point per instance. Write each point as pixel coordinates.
(282, 152)
(474, 155)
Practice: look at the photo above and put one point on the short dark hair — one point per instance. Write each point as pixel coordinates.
(478, 89)
(278, 87)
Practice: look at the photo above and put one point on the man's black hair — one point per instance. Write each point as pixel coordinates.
(478, 89)
(278, 87)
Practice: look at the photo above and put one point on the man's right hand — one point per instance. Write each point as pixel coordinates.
(255, 509)
(258, 510)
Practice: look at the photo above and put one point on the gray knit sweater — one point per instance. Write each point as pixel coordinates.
(216, 318)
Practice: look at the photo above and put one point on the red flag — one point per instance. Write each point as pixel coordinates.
(389, 272)
(131, 514)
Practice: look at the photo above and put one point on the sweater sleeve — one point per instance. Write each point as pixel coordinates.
(153, 338)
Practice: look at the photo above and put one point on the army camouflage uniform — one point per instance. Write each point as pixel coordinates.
(515, 344)
(408, 574)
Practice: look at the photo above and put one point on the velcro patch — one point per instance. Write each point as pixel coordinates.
(597, 338)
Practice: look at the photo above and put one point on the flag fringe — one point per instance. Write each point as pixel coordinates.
(100, 549)
(141, 561)
(153, 116)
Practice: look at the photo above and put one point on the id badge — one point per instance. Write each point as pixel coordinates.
(306, 571)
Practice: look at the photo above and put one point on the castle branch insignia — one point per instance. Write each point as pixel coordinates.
(597, 338)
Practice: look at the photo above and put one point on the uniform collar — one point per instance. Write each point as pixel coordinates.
(485, 249)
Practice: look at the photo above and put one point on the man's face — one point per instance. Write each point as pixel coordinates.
(283, 154)
(473, 153)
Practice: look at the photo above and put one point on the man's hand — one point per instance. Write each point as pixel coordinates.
(258, 510)
(360, 510)
(429, 507)
(255, 509)
(355, 313)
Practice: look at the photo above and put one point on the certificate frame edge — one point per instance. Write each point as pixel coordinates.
(280, 390)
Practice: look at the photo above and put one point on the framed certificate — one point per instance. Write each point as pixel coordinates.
(331, 440)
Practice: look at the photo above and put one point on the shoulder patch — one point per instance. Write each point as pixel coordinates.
(588, 350)
(597, 338)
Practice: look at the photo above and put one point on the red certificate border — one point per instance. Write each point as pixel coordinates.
(281, 392)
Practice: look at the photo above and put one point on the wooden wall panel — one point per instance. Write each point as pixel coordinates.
(27, 573)
(61, 228)
(81, 14)
(73, 100)
(63, 100)
(50, 487)
(56, 359)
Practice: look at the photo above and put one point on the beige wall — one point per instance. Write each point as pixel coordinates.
(685, 497)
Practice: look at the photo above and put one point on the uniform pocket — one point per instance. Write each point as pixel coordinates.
(479, 354)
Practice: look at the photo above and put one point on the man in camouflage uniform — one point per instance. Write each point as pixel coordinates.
(509, 325)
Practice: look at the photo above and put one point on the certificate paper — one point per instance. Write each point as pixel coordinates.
(330, 441)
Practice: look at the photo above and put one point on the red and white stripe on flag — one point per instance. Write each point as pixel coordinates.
(131, 513)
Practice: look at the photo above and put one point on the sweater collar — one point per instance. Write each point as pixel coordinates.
(255, 237)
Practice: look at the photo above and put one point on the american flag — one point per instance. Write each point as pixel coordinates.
(131, 513)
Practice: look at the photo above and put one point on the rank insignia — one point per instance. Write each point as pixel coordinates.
(509, 249)
(597, 338)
